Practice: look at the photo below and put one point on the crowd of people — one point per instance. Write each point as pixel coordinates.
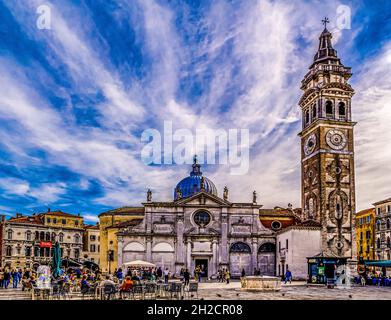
(374, 278)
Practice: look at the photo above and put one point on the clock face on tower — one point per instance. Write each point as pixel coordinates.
(336, 139)
(310, 144)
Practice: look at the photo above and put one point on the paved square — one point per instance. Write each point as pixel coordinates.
(232, 291)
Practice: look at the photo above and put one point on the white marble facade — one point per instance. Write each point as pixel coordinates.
(201, 229)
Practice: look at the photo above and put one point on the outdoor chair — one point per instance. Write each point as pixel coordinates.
(56, 291)
(108, 291)
(150, 290)
(192, 290)
(88, 291)
(138, 290)
(175, 290)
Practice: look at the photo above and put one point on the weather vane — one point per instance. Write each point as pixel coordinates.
(325, 21)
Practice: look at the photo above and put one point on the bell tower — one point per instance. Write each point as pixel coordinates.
(327, 154)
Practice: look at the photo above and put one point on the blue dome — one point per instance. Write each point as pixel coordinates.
(192, 184)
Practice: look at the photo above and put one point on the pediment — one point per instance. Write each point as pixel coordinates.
(203, 198)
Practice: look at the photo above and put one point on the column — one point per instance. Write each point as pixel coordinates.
(224, 237)
(180, 250)
(149, 249)
(254, 257)
(214, 258)
(188, 255)
(120, 246)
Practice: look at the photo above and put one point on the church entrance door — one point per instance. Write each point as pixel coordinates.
(203, 264)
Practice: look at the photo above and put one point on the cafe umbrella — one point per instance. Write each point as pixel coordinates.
(56, 261)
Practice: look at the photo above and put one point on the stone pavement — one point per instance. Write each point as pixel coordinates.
(232, 291)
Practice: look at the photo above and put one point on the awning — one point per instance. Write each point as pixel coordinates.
(139, 263)
(377, 263)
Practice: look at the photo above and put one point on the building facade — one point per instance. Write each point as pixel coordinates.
(365, 234)
(383, 229)
(91, 243)
(197, 228)
(294, 245)
(327, 152)
(27, 240)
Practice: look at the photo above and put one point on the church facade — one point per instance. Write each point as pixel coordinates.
(199, 228)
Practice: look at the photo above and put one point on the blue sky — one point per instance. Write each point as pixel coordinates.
(74, 99)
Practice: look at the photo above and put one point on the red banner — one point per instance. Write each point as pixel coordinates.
(45, 244)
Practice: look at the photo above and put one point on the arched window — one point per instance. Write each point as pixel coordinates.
(77, 238)
(388, 223)
(47, 236)
(378, 243)
(388, 242)
(9, 234)
(42, 236)
(240, 247)
(378, 225)
(307, 117)
(329, 108)
(53, 236)
(314, 111)
(28, 251)
(341, 109)
(61, 237)
(36, 235)
(8, 251)
(28, 235)
(267, 247)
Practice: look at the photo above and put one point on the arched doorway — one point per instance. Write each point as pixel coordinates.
(267, 259)
(240, 258)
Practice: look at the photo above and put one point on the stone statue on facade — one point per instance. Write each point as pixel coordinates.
(202, 183)
(149, 195)
(225, 194)
(254, 197)
(178, 193)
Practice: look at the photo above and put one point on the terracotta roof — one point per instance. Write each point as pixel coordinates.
(365, 212)
(59, 213)
(382, 201)
(91, 226)
(130, 223)
(34, 219)
(307, 224)
(124, 211)
(277, 211)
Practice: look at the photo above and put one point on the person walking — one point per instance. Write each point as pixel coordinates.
(166, 274)
(15, 278)
(243, 273)
(1, 278)
(288, 276)
(227, 276)
(7, 277)
(186, 277)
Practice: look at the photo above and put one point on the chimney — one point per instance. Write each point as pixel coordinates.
(19, 215)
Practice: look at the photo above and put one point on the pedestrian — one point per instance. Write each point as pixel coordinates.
(362, 278)
(159, 273)
(166, 274)
(186, 277)
(1, 278)
(227, 276)
(7, 277)
(288, 276)
(15, 278)
(243, 273)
